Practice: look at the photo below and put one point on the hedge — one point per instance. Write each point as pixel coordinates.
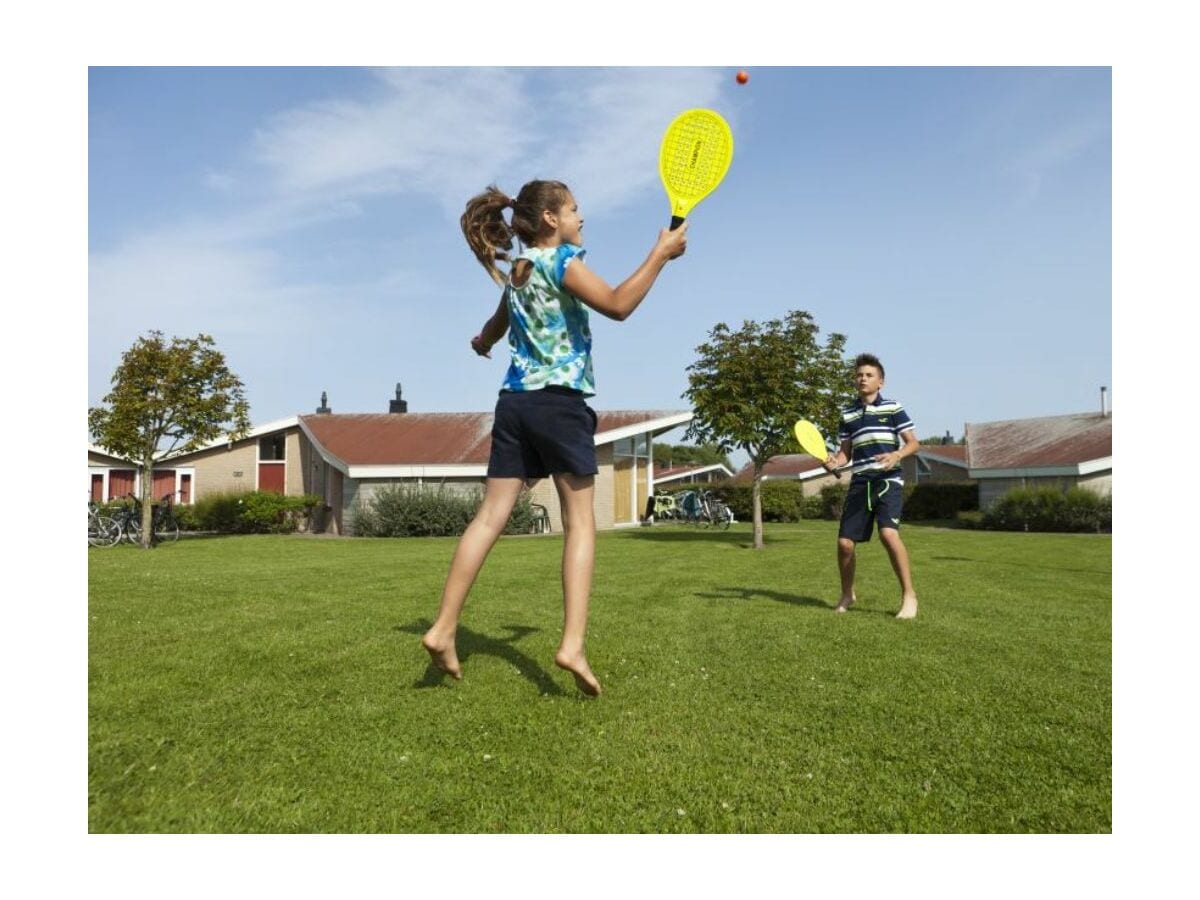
(784, 501)
(253, 512)
(1048, 509)
(416, 511)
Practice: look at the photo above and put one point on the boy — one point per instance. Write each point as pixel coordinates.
(874, 429)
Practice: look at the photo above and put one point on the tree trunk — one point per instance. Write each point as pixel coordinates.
(147, 503)
(756, 502)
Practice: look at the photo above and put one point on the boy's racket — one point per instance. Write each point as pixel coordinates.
(808, 436)
(695, 155)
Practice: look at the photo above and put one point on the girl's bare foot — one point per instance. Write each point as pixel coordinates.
(442, 653)
(908, 607)
(845, 603)
(577, 665)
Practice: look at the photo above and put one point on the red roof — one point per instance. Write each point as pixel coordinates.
(949, 452)
(373, 439)
(789, 465)
(1037, 443)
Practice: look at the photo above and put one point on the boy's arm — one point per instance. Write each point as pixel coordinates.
(493, 329)
(911, 446)
(840, 458)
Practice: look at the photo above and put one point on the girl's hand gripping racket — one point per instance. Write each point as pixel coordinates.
(695, 155)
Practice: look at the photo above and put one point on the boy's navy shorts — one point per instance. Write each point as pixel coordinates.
(868, 502)
(543, 432)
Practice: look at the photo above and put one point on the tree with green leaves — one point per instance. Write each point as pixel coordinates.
(748, 387)
(670, 455)
(167, 397)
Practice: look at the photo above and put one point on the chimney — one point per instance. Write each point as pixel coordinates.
(1103, 399)
(323, 409)
(398, 405)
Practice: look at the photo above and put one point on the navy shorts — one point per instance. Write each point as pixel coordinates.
(540, 433)
(868, 502)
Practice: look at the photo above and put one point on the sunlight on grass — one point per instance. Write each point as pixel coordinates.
(276, 684)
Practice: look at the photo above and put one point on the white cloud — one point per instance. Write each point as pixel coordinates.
(604, 129)
(447, 132)
(1056, 150)
(424, 130)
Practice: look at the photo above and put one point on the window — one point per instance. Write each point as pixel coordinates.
(271, 448)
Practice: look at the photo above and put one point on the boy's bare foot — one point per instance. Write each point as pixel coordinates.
(577, 665)
(908, 608)
(845, 603)
(442, 654)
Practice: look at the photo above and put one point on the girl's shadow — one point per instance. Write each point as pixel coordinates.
(471, 642)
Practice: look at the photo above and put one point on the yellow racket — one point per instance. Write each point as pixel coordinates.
(695, 155)
(808, 436)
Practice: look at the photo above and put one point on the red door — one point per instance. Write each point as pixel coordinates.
(164, 483)
(120, 483)
(185, 488)
(271, 477)
(98, 488)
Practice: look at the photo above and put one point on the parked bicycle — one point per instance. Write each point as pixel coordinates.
(164, 524)
(102, 529)
(704, 508)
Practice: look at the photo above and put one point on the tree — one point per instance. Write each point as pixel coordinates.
(748, 388)
(167, 397)
(668, 455)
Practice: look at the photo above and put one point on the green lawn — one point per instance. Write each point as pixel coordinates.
(276, 684)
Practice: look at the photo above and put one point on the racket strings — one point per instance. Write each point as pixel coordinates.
(696, 156)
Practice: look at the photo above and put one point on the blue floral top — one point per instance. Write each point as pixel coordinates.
(548, 333)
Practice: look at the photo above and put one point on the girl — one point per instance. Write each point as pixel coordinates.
(542, 424)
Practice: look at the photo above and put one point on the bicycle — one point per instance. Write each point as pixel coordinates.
(102, 529)
(163, 521)
(128, 520)
(719, 513)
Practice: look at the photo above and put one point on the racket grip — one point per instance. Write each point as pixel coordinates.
(676, 221)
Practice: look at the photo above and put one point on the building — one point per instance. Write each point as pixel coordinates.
(345, 458)
(676, 475)
(1052, 451)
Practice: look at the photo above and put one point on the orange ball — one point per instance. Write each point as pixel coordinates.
(742, 77)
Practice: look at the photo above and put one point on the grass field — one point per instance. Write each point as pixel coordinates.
(251, 684)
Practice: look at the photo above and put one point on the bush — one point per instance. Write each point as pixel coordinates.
(831, 500)
(782, 501)
(939, 499)
(1048, 509)
(256, 512)
(408, 510)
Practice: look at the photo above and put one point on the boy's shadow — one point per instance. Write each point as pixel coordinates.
(470, 642)
(745, 593)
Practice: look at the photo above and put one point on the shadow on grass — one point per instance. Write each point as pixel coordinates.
(744, 593)
(691, 534)
(472, 642)
(1020, 565)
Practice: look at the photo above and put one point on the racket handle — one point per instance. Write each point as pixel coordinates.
(676, 221)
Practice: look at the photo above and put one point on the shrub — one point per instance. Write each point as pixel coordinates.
(1048, 509)
(256, 512)
(408, 510)
(217, 512)
(782, 501)
(939, 499)
(832, 498)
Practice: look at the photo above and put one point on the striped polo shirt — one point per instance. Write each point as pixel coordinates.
(874, 428)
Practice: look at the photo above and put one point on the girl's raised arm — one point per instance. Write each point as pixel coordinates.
(620, 302)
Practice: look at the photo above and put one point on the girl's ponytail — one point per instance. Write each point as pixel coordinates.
(490, 237)
(487, 234)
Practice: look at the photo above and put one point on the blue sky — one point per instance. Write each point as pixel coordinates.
(954, 221)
